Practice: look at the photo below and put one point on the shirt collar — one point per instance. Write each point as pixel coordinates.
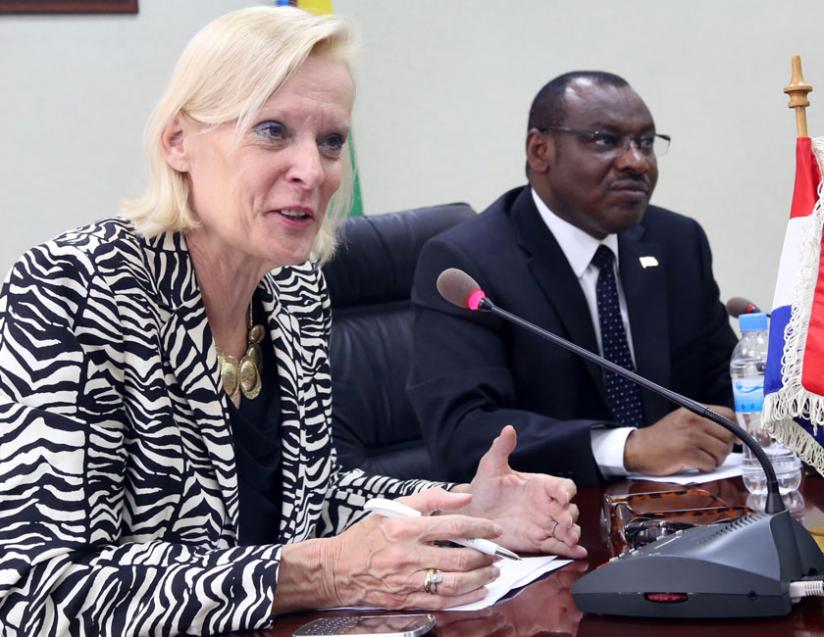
(578, 246)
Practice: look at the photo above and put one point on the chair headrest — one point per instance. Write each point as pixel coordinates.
(375, 260)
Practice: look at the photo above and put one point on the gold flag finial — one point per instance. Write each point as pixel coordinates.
(797, 90)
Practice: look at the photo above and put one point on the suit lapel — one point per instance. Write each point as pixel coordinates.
(189, 348)
(554, 275)
(643, 279)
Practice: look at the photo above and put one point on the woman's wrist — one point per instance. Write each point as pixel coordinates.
(305, 576)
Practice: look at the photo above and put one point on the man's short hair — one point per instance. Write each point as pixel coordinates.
(549, 106)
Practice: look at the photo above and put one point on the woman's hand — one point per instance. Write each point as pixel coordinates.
(535, 510)
(383, 562)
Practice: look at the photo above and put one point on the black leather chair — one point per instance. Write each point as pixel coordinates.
(370, 279)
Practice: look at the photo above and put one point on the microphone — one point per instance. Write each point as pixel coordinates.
(738, 305)
(697, 572)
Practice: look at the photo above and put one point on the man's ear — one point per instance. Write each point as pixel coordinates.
(173, 144)
(540, 151)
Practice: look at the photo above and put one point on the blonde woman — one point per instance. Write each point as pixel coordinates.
(165, 402)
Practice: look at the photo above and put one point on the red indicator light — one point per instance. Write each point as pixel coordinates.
(665, 598)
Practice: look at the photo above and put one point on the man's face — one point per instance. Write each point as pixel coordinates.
(600, 193)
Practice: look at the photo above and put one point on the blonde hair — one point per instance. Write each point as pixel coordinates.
(227, 72)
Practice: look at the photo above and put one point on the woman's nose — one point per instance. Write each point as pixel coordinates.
(306, 169)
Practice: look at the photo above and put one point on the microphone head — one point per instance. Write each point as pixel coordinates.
(738, 305)
(460, 289)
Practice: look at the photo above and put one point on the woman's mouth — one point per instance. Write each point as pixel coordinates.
(296, 214)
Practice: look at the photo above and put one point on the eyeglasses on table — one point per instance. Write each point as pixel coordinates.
(636, 519)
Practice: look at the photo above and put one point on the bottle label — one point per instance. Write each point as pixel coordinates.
(748, 393)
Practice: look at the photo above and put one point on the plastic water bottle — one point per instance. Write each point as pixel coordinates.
(747, 370)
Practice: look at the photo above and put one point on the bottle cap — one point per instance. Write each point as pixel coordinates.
(756, 321)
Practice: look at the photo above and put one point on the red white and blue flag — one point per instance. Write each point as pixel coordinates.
(794, 378)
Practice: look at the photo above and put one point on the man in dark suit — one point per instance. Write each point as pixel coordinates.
(580, 252)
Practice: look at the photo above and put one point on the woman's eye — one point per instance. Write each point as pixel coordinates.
(268, 131)
(332, 144)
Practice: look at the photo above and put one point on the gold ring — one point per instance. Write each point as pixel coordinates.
(554, 526)
(431, 580)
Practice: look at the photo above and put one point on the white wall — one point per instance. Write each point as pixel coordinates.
(443, 91)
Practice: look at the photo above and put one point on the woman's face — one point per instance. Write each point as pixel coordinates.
(265, 198)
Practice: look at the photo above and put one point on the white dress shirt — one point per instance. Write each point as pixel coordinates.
(579, 249)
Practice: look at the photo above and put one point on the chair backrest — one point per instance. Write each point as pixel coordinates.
(370, 280)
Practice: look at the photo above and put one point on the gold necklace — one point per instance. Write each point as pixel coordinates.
(243, 375)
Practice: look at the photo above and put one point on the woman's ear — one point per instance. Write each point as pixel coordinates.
(173, 144)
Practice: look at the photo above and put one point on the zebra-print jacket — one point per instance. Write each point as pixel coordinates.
(118, 486)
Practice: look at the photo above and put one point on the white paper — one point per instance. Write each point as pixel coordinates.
(514, 574)
(730, 469)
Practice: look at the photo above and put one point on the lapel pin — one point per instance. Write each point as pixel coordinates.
(648, 262)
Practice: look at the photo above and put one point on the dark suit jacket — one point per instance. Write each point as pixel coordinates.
(472, 373)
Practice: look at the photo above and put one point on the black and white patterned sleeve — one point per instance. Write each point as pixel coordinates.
(65, 567)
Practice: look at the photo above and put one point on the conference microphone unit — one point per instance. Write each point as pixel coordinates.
(738, 305)
(737, 569)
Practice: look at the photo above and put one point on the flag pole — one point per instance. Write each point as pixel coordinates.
(797, 90)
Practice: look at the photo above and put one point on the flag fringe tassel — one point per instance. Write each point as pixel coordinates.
(794, 437)
(793, 400)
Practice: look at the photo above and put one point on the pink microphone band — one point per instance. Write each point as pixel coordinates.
(474, 299)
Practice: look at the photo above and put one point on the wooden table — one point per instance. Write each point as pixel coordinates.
(545, 607)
